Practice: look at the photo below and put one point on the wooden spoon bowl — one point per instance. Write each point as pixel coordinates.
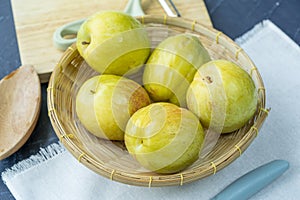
(19, 108)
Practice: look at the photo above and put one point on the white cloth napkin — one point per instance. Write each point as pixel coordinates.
(55, 174)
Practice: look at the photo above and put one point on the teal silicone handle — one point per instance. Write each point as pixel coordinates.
(71, 28)
(252, 182)
(133, 8)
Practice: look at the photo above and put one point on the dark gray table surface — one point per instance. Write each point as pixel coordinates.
(233, 17)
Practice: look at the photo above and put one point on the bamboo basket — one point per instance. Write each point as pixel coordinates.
(112, 160)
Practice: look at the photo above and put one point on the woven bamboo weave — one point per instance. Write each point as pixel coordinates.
(110, 159)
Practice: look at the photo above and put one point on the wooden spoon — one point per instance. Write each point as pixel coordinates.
(20, 100)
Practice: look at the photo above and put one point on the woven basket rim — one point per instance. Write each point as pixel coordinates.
(158, 179)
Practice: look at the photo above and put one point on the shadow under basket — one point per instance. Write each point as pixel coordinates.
(111, 159)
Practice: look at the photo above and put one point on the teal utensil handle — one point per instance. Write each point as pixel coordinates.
(253, 181)
(133, 8)
(68, 29)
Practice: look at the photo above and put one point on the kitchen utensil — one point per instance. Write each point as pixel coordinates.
(133, 8)
(167, 9)
(253, 181)
(19, 108)
(35, 24)
(175, 8)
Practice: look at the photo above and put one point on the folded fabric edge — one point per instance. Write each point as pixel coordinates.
(258, 27)
(43, 155)
(252, 32)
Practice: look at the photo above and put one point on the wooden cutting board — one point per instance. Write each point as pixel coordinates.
(36, 21)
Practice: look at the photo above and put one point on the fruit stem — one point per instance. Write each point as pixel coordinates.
(85, 43)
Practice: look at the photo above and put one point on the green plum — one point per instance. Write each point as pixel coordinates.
(222, 95)
(113, 43)
(164, 138)
(105, 103)
(171, 68)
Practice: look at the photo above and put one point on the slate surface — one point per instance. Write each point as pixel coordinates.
(233, 17)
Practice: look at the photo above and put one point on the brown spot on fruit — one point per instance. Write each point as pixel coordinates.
(208, 79)
(139, 99)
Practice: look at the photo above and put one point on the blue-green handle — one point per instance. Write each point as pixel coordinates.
(133, 8)
(71, 28)
(252, 182)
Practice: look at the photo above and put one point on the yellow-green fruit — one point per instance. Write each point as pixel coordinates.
(164, 137)
(105, 103)
(222, 95)
(113, 43)
(171, 67)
